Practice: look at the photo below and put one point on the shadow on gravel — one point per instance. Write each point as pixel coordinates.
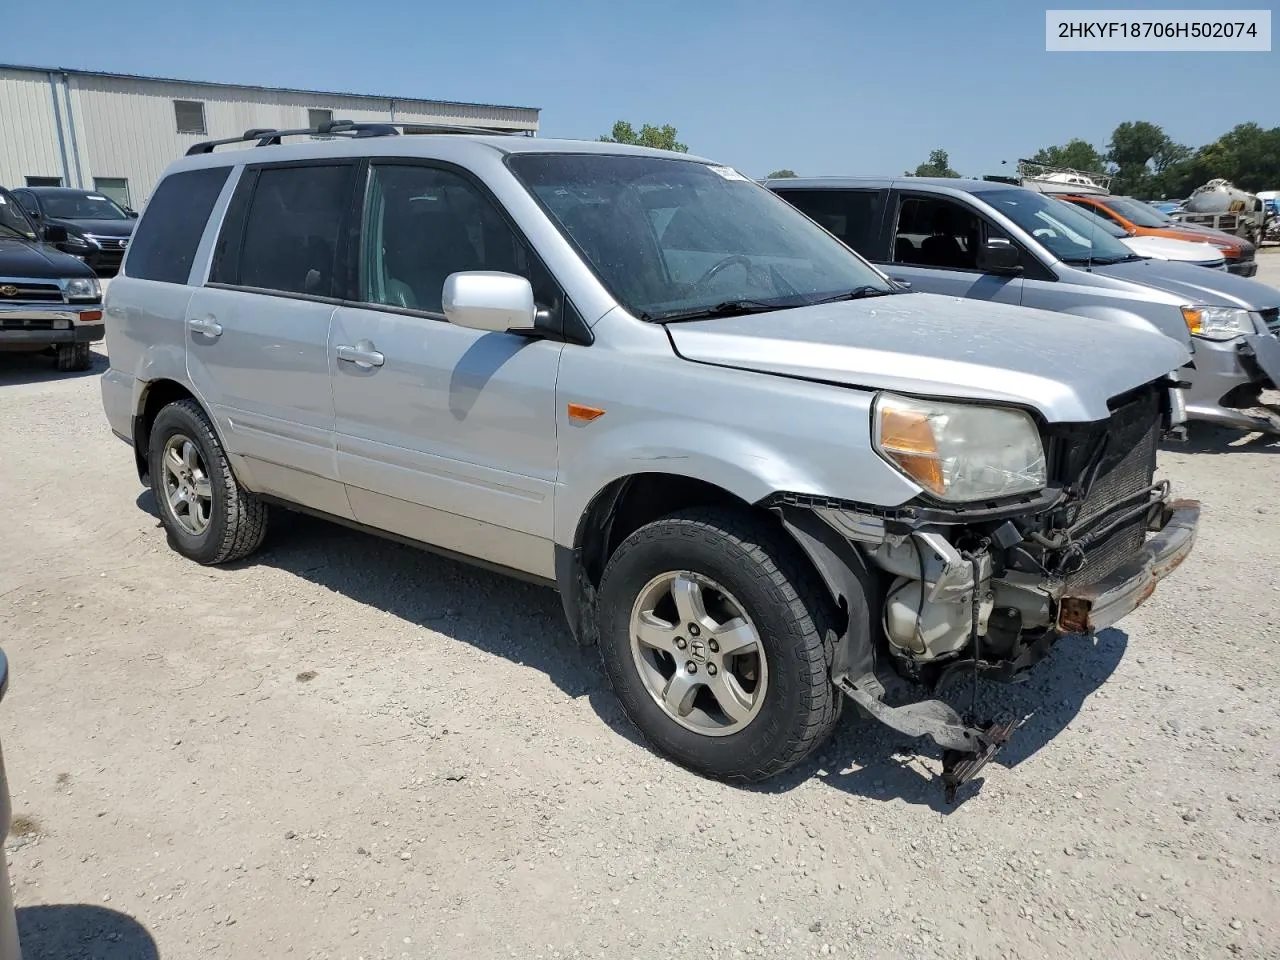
(79, 930)
(17, 369)
(1206, 438)
(524, 623)
(520, 621)
(885, 765)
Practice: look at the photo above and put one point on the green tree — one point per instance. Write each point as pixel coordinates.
(1141, 152)
(1075, 153)
(660, 138)
(938, 165)
(783, 174)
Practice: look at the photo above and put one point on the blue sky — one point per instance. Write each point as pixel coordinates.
(830, 87)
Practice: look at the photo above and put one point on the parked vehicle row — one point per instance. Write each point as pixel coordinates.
(49, 300)
(97, 228)
(763, 475)
(1141, 219)
(1004, 243)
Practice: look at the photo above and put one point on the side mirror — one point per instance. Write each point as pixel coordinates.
(489, 300)
(998, 255)
(55, 234)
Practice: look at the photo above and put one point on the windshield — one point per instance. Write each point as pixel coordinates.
(1135, 211)
(1063, 230)
(670, 237)
(1101, 222)
(13, 220)
(80, 206)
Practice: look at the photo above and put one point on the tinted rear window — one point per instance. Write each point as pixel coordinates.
(288, 239)
(164, 244)
(852, 215)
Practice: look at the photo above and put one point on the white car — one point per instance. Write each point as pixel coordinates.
(1159, 248)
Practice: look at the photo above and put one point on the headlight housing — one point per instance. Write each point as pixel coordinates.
(75, 242)
(960, 452)
(83, 288)
(1217, 323)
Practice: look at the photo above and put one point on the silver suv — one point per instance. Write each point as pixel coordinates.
(993, 241)
(761, 475)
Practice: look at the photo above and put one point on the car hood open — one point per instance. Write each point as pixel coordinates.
(1066, 367)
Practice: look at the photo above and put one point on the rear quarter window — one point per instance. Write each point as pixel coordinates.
(852, 215)
(164, 244)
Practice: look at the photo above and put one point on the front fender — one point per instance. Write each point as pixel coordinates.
(724, 456)
(1172, 325)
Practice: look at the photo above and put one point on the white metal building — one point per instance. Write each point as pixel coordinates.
(115, 133)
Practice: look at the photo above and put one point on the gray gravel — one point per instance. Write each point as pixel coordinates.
(346, 748)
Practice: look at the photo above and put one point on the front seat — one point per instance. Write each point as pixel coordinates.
(942, 249)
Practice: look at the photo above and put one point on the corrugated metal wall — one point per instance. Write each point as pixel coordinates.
(125, 127)
(28, 132)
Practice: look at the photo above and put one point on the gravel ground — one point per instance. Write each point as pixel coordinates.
(345, 748)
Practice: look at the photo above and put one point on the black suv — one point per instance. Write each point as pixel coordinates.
(98, 228)
(47, 298)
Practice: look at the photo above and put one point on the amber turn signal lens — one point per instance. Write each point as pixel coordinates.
(581, 413)
(1193, 319)
(90, 316)
(907, 437)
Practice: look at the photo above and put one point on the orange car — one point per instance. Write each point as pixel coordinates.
(1143, 220)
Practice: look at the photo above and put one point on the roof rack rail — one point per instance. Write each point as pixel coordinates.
(266, 136)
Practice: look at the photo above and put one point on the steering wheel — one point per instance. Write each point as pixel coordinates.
(729, 261)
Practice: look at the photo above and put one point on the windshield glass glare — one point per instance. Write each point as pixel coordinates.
(1101, 222)
(1064, 231)
(678, 236)
(80, 206)
(1135, 212)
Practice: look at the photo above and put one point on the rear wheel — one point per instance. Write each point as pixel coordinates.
(717, 640)
(74, 356)
(209, 517)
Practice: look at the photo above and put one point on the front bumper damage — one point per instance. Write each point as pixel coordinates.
(931, 594)
(969, 745)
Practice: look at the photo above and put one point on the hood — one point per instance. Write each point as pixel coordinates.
(1196, 285)
(99, 228)
(1164, 248)
(1210, 233)
(38, 261)
(930, 345)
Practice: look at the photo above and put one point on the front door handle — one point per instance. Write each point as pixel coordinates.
(363, 355)
(208, 326)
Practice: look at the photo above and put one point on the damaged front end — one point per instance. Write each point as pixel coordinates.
(987, 588)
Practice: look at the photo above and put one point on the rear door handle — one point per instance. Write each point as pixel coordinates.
(208, 326)
(363, 355)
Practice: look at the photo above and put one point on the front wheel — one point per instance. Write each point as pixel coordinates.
(717, 640)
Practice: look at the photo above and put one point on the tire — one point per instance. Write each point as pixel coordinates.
(73, 357)
(235, 521)
(764, 575)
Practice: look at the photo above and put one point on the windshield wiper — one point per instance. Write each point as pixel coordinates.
(729, 308)
(857, 293)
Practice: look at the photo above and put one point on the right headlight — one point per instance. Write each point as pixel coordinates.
(960, 452)
(1217, 323)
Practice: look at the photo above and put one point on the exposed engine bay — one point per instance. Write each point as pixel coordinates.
(987, 587)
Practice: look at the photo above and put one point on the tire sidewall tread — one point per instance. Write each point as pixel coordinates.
(766, 573)
(238, 520)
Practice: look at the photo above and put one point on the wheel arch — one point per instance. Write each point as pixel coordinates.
(627, 503)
